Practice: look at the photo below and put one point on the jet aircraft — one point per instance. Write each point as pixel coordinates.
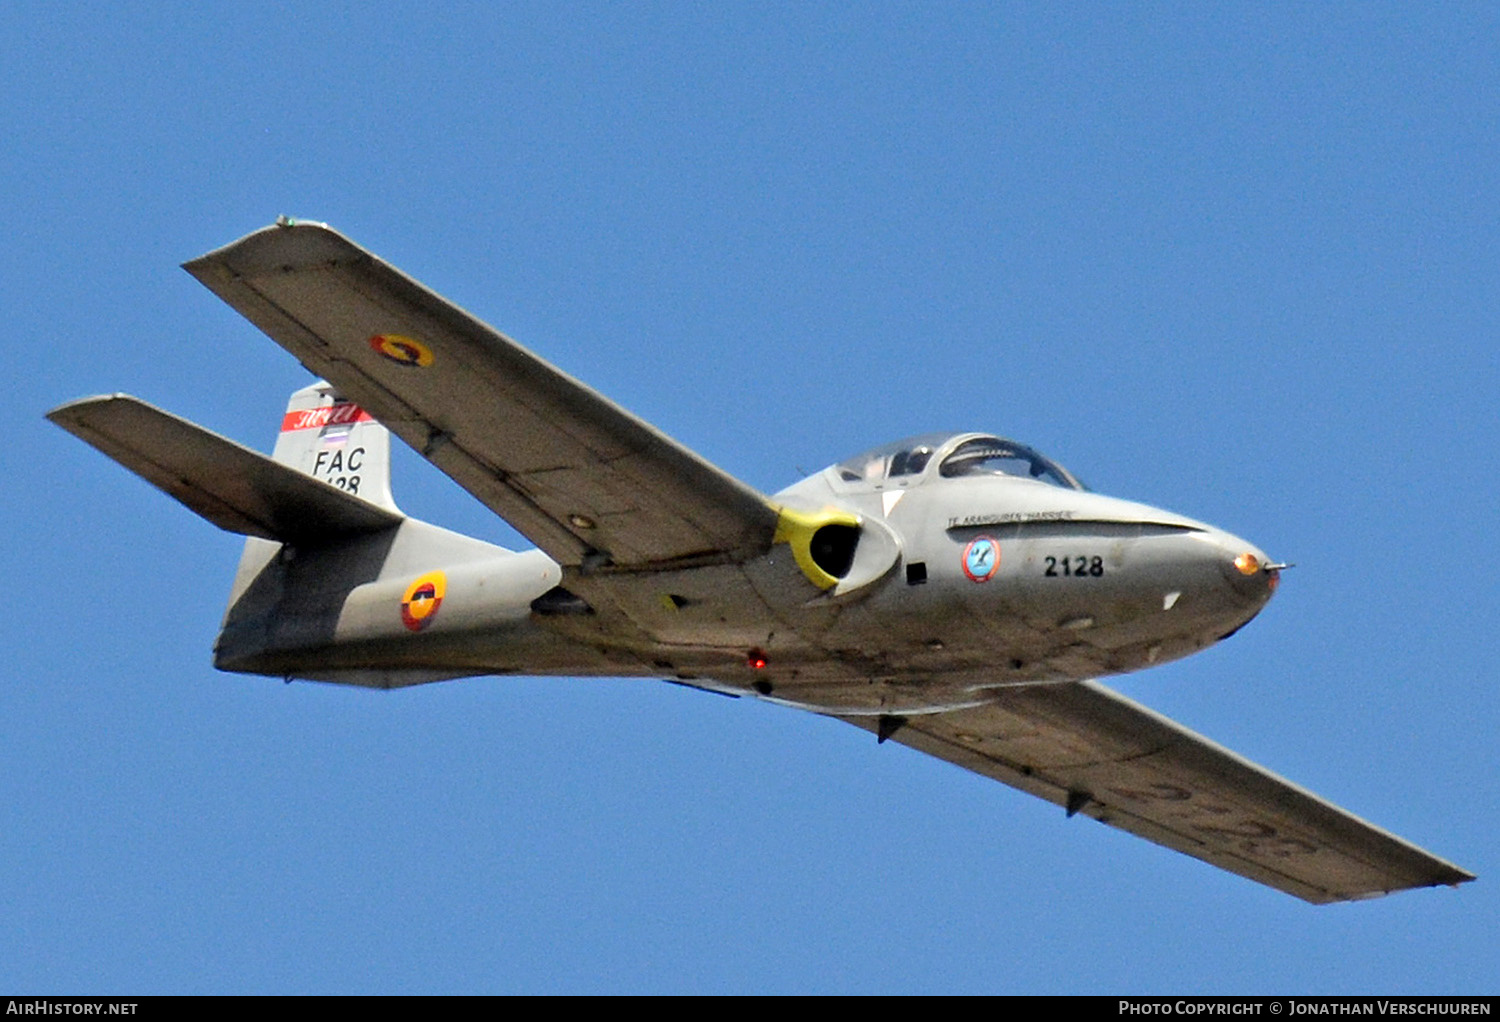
(957, 592)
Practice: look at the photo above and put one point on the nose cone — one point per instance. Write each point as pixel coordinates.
(1252, 576)
(1243, 581)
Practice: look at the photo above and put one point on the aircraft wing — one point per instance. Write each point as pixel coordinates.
(585, 480)
(1096, 753)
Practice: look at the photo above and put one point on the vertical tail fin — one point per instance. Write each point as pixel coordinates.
(330, 438)
(331, 607)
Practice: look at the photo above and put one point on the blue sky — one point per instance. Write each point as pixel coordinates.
(1239, 261)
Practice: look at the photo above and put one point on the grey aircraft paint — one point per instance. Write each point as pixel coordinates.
(953, 592)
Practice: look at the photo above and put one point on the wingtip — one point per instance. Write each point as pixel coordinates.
(1453, 879)
(66, 411)
(287, 241)
(295, 221)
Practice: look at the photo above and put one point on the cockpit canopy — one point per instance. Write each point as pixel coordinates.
(953, 454)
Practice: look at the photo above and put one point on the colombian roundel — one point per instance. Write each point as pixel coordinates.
(423, 598)
(406, 351)
(981, 559)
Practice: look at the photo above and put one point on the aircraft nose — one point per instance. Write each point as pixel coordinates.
(1251, 575)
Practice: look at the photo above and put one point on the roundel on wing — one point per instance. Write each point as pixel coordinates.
(402, 350)
(423, 598)
(981, 559)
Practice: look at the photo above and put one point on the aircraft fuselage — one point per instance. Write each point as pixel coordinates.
(968, 584)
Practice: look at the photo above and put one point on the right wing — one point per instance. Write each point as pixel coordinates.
(585, 480)
(1090, 750)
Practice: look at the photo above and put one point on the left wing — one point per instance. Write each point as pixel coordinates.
(1090, 750)
(585, 480)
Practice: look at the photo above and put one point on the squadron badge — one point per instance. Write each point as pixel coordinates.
(981, 559)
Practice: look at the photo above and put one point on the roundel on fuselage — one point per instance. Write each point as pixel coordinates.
(419, 606)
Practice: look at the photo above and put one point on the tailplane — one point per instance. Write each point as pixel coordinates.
(241, 490)
(325, 579)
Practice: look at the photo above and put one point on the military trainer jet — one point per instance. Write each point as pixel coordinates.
(957, 592)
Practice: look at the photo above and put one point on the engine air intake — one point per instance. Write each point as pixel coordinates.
(823, 542)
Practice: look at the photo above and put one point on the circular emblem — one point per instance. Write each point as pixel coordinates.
(406, 351)
(981, 559)
(423, 598)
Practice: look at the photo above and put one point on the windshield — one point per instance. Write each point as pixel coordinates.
(993, 456)
(902, 458)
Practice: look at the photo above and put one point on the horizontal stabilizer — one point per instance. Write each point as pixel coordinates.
(232, 486)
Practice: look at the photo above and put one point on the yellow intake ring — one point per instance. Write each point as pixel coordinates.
(825, 558)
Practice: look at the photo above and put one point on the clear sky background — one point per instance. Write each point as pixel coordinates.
(1239, 261)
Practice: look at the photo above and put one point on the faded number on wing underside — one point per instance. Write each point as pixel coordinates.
(1252, 837)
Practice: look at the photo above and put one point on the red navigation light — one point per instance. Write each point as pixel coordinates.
(756, 660)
